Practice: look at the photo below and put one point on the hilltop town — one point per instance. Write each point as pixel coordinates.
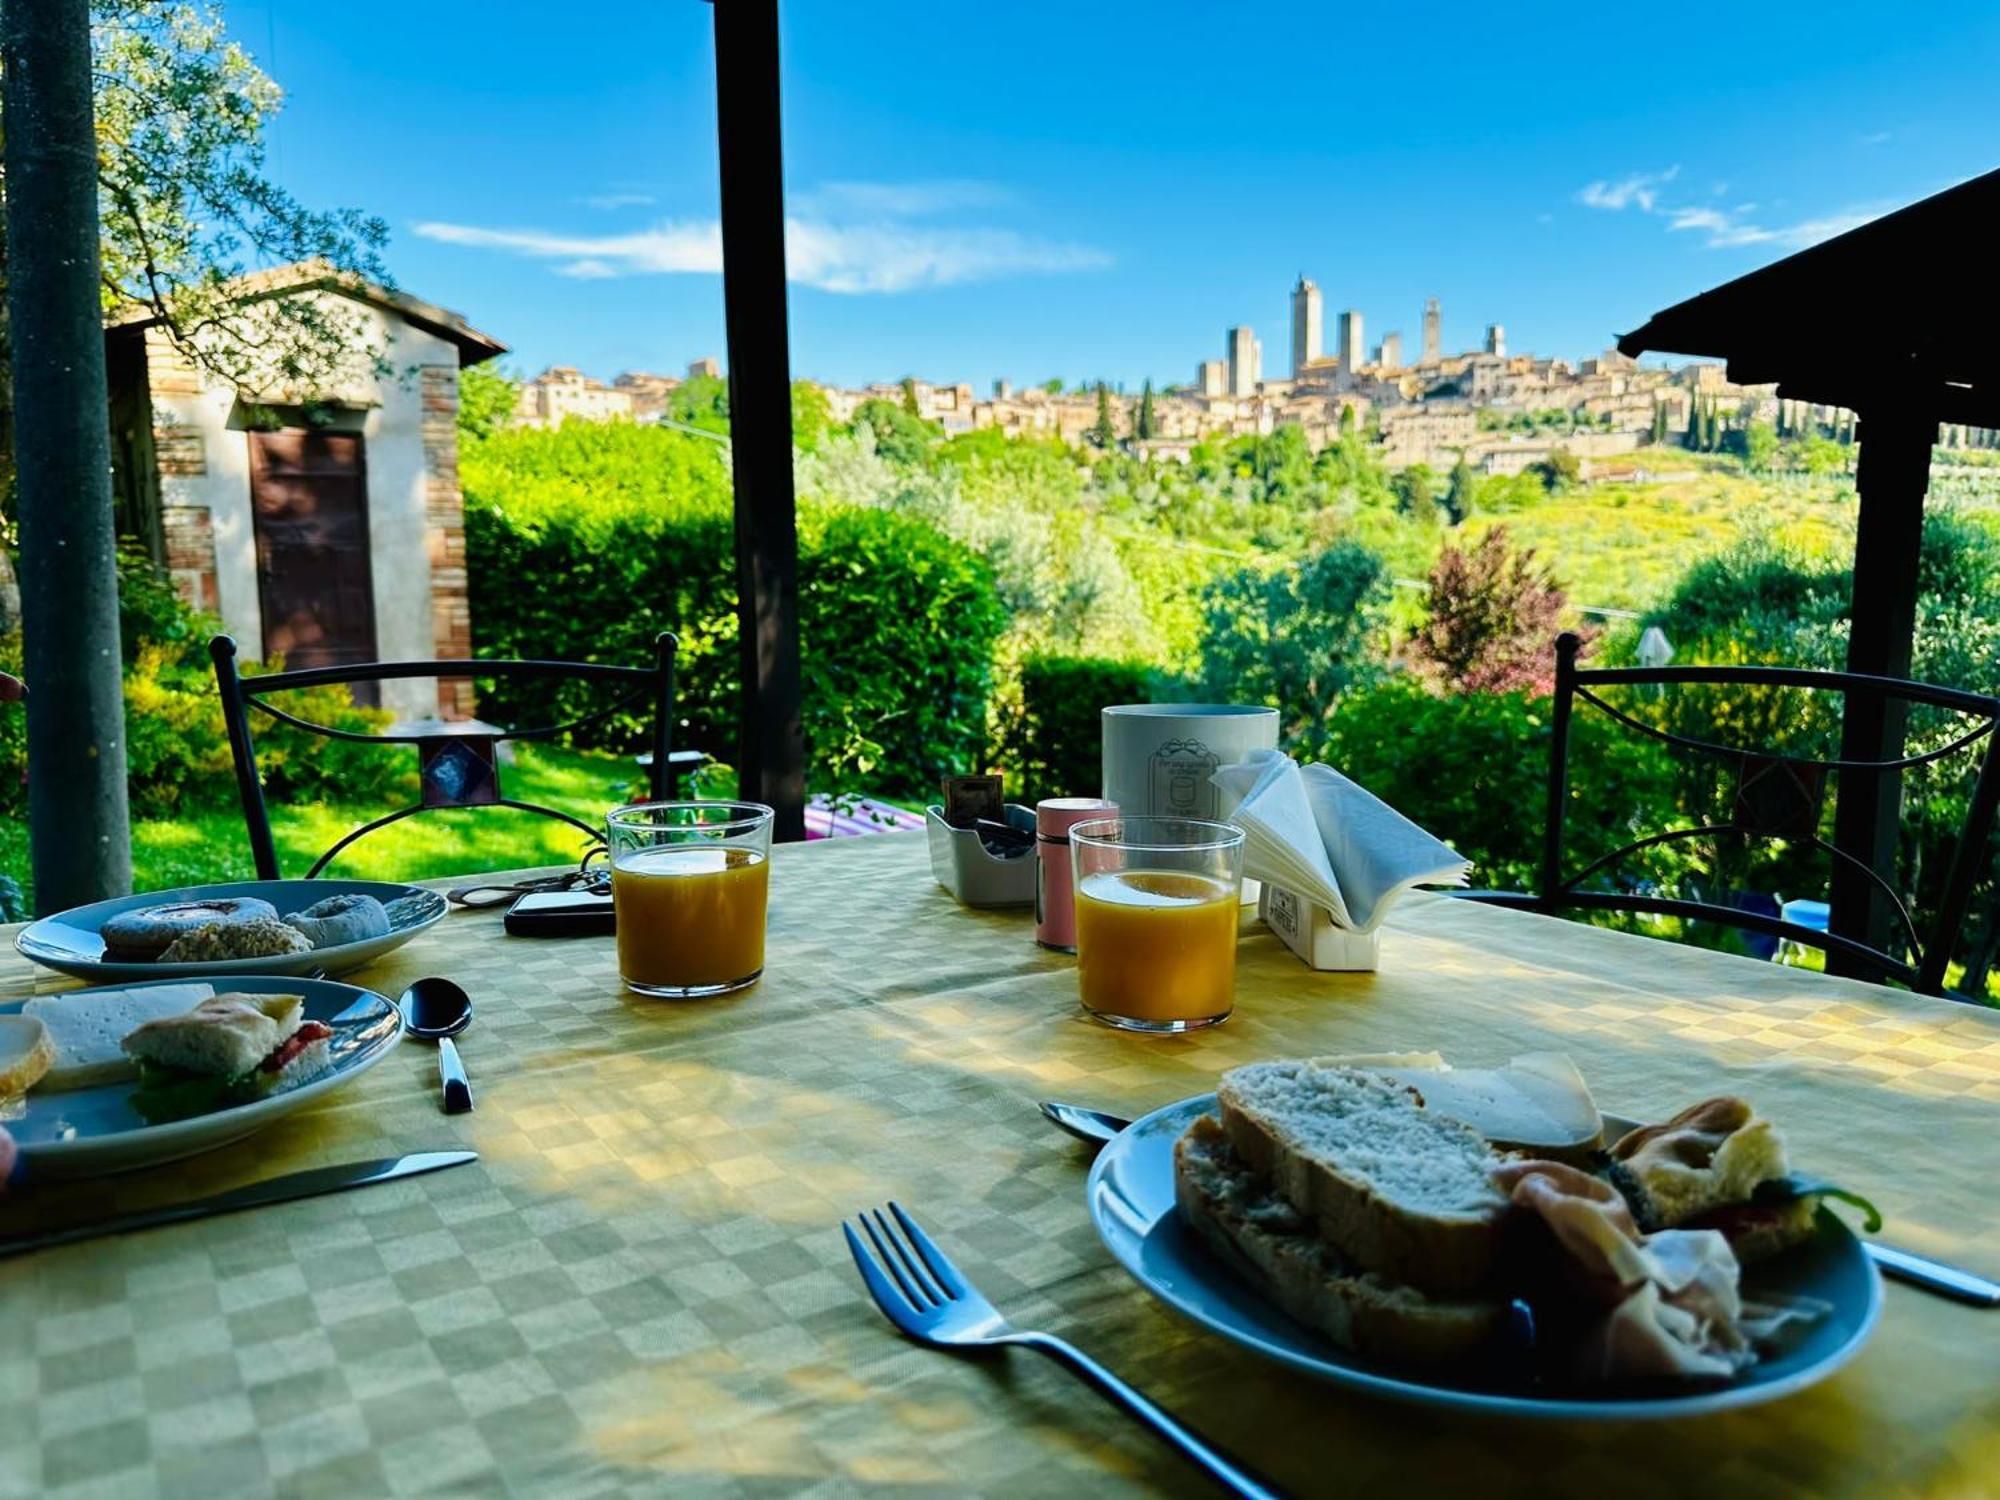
(1500, 412)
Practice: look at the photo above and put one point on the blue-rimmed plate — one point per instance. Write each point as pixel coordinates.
(72, 942)
(87, 1132)
(1131, 1196)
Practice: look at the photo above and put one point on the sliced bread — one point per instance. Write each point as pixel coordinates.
(87, 1028)
(26, 1054)
(1280, 1252)
(1394, 1187)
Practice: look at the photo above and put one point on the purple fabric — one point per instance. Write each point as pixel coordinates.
(854, 816)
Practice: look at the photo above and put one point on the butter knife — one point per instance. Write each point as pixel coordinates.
(1920, 1271)
(307, 1184)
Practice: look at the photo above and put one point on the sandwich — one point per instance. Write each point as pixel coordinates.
(1720, 1165)
(85, 1030)
(230, 1049)
(1442, 1233)
(1352, 1207)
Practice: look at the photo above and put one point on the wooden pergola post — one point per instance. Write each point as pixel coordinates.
(1892, 476)
(1853, 322)
(79, 825)
(771, 762)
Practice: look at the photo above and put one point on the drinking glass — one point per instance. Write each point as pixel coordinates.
(689, 881)
(1157, 905)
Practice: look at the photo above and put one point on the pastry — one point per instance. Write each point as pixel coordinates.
(341, 919)
(143, 934)
(259, 937)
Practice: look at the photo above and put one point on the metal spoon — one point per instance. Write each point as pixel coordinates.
(436, 1010)
(1092, 1125)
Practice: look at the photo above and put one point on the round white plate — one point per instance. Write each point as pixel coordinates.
(1131, 1197)
(87, 1132)
(71, 942)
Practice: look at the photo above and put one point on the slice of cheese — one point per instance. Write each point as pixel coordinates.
(87, 1028)
(1538, 1102)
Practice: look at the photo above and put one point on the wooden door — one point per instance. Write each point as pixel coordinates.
(309, 498)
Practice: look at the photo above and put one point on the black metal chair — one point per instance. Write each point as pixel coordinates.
(453, 769)
(1774, 797)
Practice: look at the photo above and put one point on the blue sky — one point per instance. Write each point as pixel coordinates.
(1098, 191)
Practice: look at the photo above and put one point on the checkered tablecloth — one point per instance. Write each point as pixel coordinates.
(641, 1289)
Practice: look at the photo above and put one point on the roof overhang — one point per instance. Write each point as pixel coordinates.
(473, 346)
(1902, 311)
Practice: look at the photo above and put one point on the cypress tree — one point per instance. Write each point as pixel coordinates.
(1147, 425)
(1102, 432)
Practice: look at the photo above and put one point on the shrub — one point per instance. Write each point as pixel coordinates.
(1473, 770)
(1491, 622)
(1053, 747)
(176, 749)
(897, 625)
(585, 543)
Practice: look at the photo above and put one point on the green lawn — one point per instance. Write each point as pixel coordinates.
(211, 846)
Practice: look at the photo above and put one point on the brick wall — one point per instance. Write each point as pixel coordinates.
(444, 512)
(189, 535)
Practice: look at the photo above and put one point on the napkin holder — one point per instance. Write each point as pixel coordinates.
(974, 876)
(1310, 931)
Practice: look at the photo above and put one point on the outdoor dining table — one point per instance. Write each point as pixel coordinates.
(641, 1287)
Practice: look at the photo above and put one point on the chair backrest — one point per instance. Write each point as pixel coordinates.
(454, 769)
(1775, 796)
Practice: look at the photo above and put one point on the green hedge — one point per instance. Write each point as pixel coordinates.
(1053, 746)
(585, 543)
(1473, 770)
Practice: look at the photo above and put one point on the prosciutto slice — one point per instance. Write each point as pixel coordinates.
(1713, 1152)
(1671, 1302)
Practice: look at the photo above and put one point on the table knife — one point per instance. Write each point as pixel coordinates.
(1901, 1265)
(1934, 1275)
(308, 1184)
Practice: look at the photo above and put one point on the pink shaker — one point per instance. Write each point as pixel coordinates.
(1055, 884)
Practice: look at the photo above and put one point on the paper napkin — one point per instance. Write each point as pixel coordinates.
(1311, 831)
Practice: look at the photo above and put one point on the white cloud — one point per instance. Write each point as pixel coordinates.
(608, 201)
(1726, 231)
(824, 247)
(1877, 138)
(1719, 228)
(1640, 190)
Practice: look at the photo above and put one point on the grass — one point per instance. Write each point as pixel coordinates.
(210, 847)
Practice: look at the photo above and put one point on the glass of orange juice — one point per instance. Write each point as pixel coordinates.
(689, 881)
(1157, 904)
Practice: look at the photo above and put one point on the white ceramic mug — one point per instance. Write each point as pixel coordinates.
(1158, 757)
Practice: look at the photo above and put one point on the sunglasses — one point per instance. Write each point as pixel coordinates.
(587, 876)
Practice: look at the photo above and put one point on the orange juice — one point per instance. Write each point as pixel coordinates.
(1157, 947)
(690, 916)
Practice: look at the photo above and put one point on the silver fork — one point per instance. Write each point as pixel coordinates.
(926, 1296)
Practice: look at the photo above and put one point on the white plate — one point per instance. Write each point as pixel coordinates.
(1131, 1197)
(87, 1132)
(72, 942)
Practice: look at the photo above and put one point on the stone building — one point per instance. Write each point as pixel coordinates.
(1306, 325)
(1347, 346)
(562, 392)
(649, 393)
(1246, 362)
(325, 525)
